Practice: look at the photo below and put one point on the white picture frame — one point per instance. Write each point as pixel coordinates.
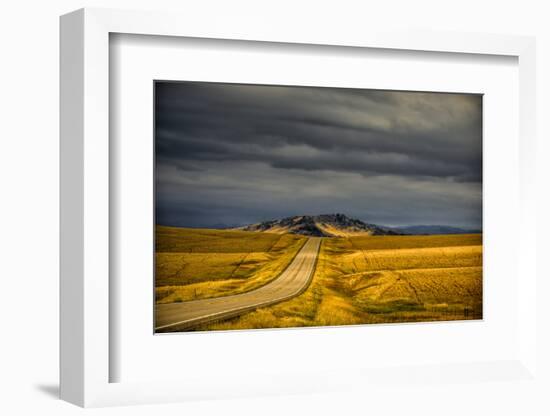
(85, 213)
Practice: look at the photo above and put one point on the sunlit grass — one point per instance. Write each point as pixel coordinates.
(202, 263)
(382, 279)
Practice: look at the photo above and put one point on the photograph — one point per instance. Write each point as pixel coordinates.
(280, 206)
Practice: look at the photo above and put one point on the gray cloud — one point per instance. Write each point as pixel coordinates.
(229, 153)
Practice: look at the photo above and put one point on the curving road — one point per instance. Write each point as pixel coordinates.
(292, 282)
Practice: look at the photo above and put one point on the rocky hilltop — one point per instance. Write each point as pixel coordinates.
(326, 225)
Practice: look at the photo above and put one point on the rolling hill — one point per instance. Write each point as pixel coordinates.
(435, 230)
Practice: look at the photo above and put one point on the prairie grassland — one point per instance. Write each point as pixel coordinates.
(393, 242)
(360, 261)
(203, 263)
(382, 279)
(205, 240)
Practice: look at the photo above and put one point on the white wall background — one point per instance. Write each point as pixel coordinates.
(29, 208)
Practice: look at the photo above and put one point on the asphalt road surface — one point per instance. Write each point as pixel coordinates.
(292, 282)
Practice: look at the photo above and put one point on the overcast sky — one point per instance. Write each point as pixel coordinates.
(233, 154)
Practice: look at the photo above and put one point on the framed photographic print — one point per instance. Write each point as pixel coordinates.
(337, 202)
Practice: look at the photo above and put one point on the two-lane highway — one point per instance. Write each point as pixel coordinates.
(292, 282)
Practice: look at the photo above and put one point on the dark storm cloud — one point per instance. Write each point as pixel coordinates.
(205, 131)
(320, 129)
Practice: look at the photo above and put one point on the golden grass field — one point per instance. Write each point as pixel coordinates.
(203, 263)
(382, 279)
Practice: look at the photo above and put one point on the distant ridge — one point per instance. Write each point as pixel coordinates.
(326, 225)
